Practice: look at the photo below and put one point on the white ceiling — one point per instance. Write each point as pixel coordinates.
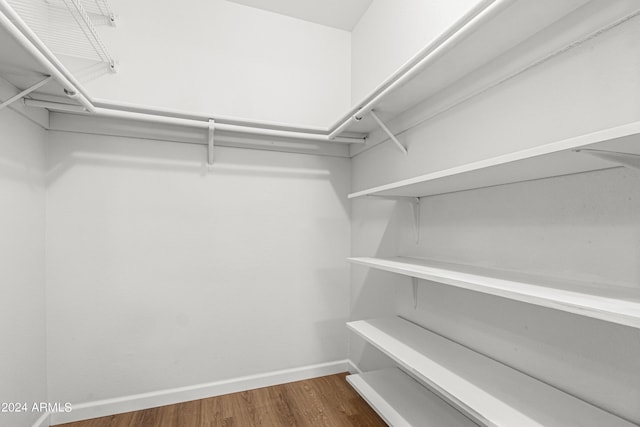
(342, 14)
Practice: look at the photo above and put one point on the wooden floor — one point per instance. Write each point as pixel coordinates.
(324, 401)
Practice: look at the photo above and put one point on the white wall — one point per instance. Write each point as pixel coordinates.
(220, 58)
(22, 305)
(582, 226)
(162, 274)
(391, 32)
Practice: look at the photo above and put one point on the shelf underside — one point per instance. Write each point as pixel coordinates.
(403, 402)
(610, 303)
(550, 160)
(487, 391)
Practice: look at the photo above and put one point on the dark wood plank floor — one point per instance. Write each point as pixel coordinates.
(325, 401)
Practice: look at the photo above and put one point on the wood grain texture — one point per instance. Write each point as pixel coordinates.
(324, 401)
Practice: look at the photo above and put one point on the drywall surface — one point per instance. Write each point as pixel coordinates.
(163, 274)
(584, 226)
(392, 32)
(220, 58)
(22, 263)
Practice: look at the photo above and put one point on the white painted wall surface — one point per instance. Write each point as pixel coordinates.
(391, 32)
(583, 226)
(216, 57)
(163, 275)
(22, 267)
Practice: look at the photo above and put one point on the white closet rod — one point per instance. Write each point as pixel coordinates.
(460, 30)
(201, 123)
(137, 108)
(31, 43)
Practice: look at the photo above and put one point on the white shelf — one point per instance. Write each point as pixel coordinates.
(403, 402)
(614, 304)
(554, 159)
(487, 391)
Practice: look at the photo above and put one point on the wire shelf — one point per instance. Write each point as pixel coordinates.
(98, 7)
(67, 27)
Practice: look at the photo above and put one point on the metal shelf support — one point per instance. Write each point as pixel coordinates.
(210, 156)
(416, 217)
(415, 207)
(388, 132)
(25, 92)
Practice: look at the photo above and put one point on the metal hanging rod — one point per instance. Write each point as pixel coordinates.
(212, 129)
(202, 123)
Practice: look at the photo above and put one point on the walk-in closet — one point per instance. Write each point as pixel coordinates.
(320, 213)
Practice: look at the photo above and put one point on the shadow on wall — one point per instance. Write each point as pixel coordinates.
(129, 153)
(577, 227)
(20, 171)
(20, 161)
(79, 150)
(379, 227)
(209, 267)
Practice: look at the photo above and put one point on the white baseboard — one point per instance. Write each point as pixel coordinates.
(103, 408)
(43, 421)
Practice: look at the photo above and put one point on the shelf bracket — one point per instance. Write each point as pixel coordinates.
(26, 92)
(415, 208)
(212, 128)
(416, 202)
(629, 160)
(388, 132)
(414, 286)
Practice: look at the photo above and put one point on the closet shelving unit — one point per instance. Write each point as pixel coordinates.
(422, 353)
(26, 61)
(488, 392)
(605, 302)
(482, 51)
